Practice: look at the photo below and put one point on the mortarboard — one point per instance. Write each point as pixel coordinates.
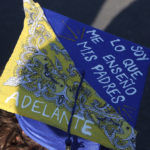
(44, 72)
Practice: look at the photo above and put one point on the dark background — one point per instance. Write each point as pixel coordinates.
(132, 23)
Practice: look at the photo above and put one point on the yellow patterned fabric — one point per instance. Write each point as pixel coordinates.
(40, 81)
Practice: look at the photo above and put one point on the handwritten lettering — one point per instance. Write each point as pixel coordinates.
(139, 53)
(95, 38)
(117, 46)
(87, 52)
(42, 108)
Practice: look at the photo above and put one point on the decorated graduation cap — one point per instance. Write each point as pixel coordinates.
(76, 78)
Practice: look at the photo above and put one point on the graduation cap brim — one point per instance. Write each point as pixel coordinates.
(51, 137)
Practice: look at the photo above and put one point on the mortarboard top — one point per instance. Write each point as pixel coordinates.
(41, 78)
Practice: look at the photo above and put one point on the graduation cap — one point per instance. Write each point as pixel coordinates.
(76, 78)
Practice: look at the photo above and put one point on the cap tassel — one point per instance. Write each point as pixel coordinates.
(68, 140)
(68, 143)
(68, 147)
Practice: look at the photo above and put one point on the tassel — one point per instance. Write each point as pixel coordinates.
(68, 143)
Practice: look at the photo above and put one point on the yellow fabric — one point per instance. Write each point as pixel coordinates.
(40, 81)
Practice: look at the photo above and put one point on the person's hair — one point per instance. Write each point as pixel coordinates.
(12, 136)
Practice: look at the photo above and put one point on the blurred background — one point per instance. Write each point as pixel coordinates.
(128, 19)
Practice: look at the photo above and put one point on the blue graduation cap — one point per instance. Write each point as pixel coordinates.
(115, 68)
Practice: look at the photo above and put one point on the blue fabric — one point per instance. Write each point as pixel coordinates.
(52, 138)
(114, 67)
